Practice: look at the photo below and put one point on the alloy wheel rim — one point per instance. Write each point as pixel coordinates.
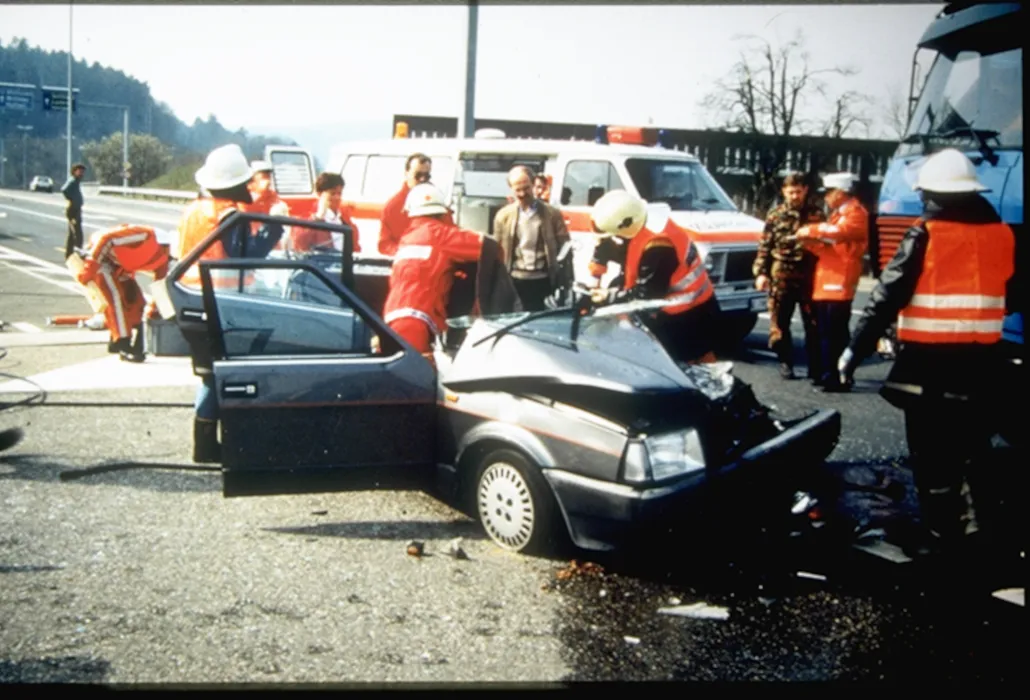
(506, 506)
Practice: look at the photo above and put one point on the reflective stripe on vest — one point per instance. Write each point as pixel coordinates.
(689, 286)
(960, 295)
(408, 312)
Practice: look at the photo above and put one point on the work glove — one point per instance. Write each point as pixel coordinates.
(846, 366)
(90, 268)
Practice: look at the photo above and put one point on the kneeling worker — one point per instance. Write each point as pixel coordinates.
(112, 261)
(424, 267)
(657, 265)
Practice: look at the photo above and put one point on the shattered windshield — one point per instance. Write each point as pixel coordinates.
(683, 185)
(969, 100)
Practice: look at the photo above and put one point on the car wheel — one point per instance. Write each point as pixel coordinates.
(514, 503)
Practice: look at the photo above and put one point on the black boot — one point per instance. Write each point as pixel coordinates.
(206, 449)
(134, 353)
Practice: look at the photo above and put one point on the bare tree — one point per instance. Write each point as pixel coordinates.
(895, 112)
(769, 91)
(847, 115)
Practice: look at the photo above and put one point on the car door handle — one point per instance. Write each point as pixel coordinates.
(240, 391)
(194, 315)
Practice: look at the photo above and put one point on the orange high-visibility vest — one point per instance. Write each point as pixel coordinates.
(839, 264)
(689, 282)
(133, 248)
(202, 217)
(960, 296)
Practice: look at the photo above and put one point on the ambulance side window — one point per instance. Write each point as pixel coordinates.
(586, 180)
(353, 174)
(384, 176)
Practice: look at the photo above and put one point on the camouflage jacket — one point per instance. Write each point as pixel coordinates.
(778, 243)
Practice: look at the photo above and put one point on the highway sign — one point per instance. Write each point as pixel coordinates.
(17, 96)
(55, 99)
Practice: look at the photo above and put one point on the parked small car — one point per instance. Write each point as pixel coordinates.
(41, 183)
(571, 423)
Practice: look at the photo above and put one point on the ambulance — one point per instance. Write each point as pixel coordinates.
(472, 173)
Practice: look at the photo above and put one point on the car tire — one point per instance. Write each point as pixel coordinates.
(514, 503)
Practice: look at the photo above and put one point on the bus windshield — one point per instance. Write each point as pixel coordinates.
(682, 184)
(969, 100)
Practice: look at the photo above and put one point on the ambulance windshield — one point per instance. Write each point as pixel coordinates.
(683, 185)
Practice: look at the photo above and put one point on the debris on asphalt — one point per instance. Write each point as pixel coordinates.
(320, 512)
(416, 549)
(455, 549)
(576, 569)
(1012, 595)
(632, 640)
(674, 601)
(811, 576)
(699, 611)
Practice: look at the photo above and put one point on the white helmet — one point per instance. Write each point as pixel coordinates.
(224, 168)
(845, 182)
(618, 213)
(260, 166)
(949, 171)
(425, 200)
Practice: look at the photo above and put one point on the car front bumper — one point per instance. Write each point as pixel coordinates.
(603, 515)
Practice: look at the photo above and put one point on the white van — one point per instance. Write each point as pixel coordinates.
(473, 174)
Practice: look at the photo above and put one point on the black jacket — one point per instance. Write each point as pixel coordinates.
(924, 370)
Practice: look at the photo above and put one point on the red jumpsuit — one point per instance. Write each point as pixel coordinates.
(394, 222)
(422, 276)
(114, 257)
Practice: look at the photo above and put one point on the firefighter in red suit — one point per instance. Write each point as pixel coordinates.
(112, 261)
(394, 219)
(424, 268)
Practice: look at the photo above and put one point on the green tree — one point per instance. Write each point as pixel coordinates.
(148, 156)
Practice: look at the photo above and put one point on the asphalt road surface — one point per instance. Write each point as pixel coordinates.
(146, 574)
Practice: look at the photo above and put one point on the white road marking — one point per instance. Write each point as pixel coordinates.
(100, 217)
(108, 206)
(62, 219)
(25, 327)
(109, 373)
(68, 286)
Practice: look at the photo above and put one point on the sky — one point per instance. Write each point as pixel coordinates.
(348, 69)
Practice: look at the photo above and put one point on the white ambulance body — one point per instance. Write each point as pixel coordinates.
(472, 173)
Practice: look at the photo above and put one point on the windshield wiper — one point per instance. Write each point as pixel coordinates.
(981, 136)
(526, 319)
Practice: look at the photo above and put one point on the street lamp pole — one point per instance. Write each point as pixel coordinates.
(71, 103)
(125, 149)
(24, 150)
(467, 122)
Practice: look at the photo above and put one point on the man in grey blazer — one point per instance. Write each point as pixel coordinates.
(531, 234)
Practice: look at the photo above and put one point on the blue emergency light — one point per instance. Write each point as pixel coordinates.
(601, 134)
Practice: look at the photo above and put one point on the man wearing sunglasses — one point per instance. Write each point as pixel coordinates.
(394, 219)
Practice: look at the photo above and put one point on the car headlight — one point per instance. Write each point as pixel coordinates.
(669, 455)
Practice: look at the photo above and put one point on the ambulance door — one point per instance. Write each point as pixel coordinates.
(579, 182)
(293, 176)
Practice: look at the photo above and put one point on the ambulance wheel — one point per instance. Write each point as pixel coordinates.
(514, 503)
(737, 327)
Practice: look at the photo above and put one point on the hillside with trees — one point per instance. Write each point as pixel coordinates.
(159, 142)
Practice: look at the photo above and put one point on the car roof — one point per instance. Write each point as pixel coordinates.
(431, 146)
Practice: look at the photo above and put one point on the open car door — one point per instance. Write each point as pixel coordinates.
(306, 402)
(293, 177)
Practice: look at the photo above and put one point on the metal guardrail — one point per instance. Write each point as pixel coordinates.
(143, 193)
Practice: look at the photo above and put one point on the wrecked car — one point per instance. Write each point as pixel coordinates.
(566, 424)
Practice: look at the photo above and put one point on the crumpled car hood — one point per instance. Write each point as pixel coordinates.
(613, 354)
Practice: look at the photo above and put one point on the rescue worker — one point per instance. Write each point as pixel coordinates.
(838, 246)
(224, 180)
(542, 187)
(946, 286)
(264, 198)
(111, 262)
(423, 269)
(329, 187)
(657, 265)
(72, 192)
(784, 268)
(394, 219)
